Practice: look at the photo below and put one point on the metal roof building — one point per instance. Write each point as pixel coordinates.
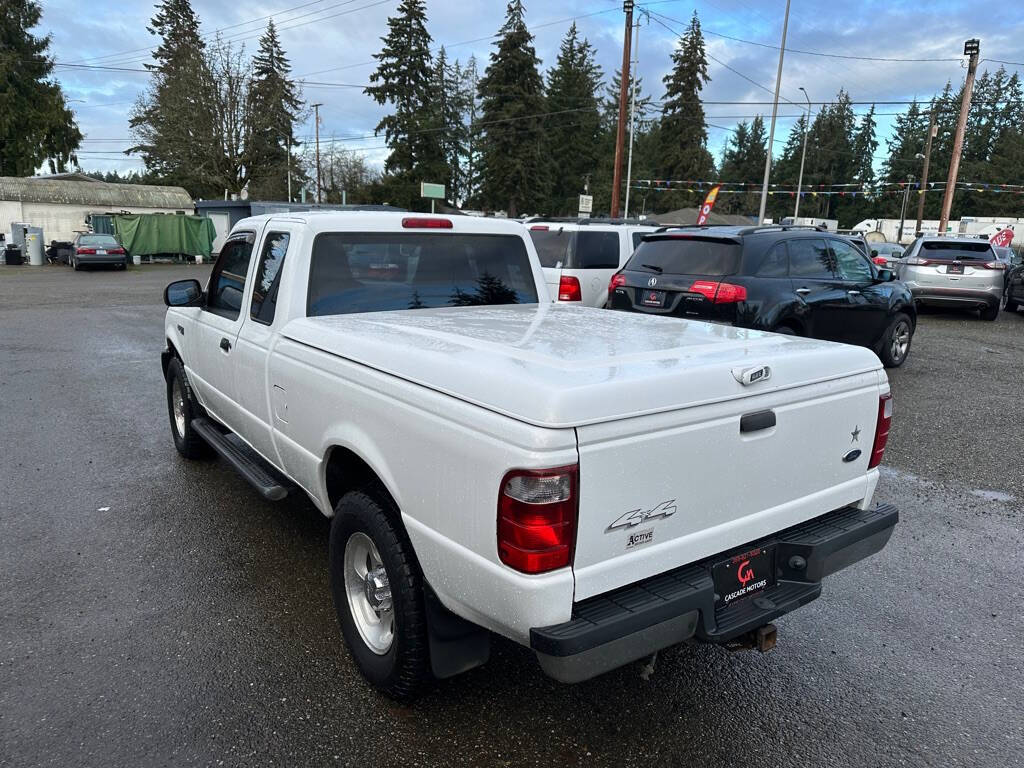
(60, 204)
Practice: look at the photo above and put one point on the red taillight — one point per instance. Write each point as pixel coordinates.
(540, 227)
(881, 430)
(569, 289)
(994, 265)
(80, 251)
(425, 223)
(880, 261)
(917, 261)
(117, 251)
(537, 518)
(618, 280)
(719, 293)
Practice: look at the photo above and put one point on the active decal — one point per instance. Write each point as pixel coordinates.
(640, 537)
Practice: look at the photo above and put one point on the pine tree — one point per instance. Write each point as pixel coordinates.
(512, 100)
(448, 126)
(469, 163)
(174, 122)
(573, 126)
(35, 122)
(684, 136)
(275, 107)
(404, 80)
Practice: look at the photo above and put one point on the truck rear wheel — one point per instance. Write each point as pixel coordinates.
(182, 408)
(378, 594)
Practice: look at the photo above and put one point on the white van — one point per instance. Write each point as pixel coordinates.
(579, 256)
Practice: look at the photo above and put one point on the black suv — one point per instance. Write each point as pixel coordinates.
(793, 280)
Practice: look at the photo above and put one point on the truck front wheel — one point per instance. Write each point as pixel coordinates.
(378, 594)
(182, 408)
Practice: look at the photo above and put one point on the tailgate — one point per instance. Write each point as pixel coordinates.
(664, 490)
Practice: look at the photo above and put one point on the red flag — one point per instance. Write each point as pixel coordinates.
(1002, 238)
(708, 204)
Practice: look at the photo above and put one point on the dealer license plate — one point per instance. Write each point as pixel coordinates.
(954, 269)
(653, 298)
(744, 575)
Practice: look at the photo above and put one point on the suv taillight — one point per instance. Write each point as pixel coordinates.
(618, 280)
(917, 261)
(882, 427)
(537, 518)
(569, 289)
(719, 293)
(994, 265)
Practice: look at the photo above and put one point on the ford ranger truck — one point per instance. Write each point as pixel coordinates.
(594, 485)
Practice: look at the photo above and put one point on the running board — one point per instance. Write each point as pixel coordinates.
(249, 464)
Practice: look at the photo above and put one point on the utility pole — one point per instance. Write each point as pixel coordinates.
(775, 114)
(632, 113)
(289, 162)
(316, 110)
(972, 48)
(620, 136)
(903, 209)
(924, 173)
(803, 156)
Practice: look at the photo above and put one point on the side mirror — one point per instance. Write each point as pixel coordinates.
(183, 293)
(885, 276)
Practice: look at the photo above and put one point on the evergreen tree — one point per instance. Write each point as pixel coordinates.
(858, 204)
(275, 107)
(404, 78)
(909, 134)
(469, 165)
(35, 122)
(684, 136)
(512, 99)
(449, 127)
(174, 122)
(573, 126)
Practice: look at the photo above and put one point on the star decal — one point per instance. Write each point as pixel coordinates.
(855, 435)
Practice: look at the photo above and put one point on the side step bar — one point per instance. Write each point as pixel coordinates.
(249, 464)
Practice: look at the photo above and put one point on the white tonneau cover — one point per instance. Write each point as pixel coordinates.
(558, 365)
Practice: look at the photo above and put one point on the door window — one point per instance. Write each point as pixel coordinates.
(809, 257)
(268, 272)
(851, 264)
(775, 263)
(227, 282)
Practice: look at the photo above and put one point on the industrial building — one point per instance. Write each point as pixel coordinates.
(60, 204)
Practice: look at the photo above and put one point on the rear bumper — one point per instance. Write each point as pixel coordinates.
(613, 629)
(113, 258)
(939, 296)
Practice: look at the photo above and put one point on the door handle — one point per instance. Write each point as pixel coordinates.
(225, 345)
(803, 291)
(853, 293)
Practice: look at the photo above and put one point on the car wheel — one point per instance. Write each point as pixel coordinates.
(1011, 304)
(74, 264)
(378, 594)
(896, 341)
(182, 408)
(990, 312)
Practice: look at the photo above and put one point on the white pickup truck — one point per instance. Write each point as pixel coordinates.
(594, 485)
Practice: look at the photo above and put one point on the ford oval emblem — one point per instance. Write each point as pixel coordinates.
(852, 455)
(652, 282)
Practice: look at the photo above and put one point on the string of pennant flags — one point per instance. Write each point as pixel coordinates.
(852, 190)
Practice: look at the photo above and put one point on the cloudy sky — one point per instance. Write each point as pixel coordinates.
(331, 43)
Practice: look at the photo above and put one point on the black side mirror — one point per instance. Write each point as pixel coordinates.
(885, 276)
(183, 293)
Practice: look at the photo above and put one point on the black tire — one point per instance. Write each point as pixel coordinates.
(189, 444)
(892, 351)
(404, 669)
(1011, 305)
(991, 312)
(74, 265)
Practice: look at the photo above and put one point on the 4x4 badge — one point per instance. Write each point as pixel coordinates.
(637, 516)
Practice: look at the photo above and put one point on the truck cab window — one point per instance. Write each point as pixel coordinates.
(227, 282)
(268, 273)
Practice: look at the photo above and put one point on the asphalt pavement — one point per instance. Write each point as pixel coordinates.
(157, 612)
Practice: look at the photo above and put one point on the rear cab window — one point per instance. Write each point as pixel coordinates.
(382, 271)
(686, 256)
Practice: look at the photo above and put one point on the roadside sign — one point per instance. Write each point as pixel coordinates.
(1002, 238)
(586, 204)
(709, 203)
(435, 191)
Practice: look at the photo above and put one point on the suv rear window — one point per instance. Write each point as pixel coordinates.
(552, 246)
(376, 272)
(686, 256)
(980, 251)
(576, 249)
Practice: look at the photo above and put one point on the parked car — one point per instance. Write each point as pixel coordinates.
(91, 249)
(1015, 288)
(791, 280)
(957, 272)
(493, 462)
(579, 256)
(886, 254)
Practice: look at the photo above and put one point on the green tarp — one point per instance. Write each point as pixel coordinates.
(148, 234)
